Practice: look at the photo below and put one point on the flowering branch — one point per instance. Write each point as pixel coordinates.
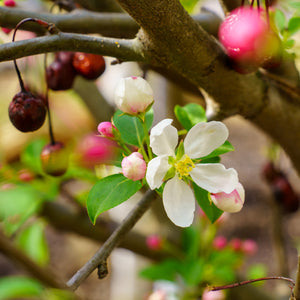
(102, 254)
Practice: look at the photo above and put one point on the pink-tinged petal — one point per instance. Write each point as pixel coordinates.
(215, 178)
(134, 166)
(230, 202)
(156, 171)
(179, 202)
(133, 95)
(164, 138)
(203, 138)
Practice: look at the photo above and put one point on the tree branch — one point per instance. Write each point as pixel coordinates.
(126, 50)
(62, 219)
(296, 291)
(83, 21)
(102, 254)
(44, 275)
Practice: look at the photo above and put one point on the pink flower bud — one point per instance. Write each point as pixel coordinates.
(249, 247)
(232, 202)
(93, 149)
(133, 95)
(154, 242)
(106, 129)
(220, 242)
(6, 30)
(10, 3)
(236, 244)
(213, 295)
(25, 175)
(133, 166)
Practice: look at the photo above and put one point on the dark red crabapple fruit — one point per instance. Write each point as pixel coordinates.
(55, 159)
(27, 112)
(60, 74)
(89, 66)
(249, 40)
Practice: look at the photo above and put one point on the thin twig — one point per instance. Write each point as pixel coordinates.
(113, 241)
(296, 291)
(44, 275)
(237, 284)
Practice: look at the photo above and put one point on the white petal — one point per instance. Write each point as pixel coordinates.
(164, 138)
(232, 202)
(179, 202)
(215, 178)
(133, 95)
(156, 171)
(203, 138)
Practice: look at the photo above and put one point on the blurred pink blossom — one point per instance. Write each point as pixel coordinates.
(219, 242)
(154, 242)
(213, 295)
(249, 247)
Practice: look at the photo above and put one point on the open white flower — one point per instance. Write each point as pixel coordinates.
(201, 140)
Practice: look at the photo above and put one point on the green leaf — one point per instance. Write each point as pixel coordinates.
(294, 25)
(191, 242)
(110, 192)
(280, 20)
(202, 197)
(131, 128)
(193, 271)
(190, 114)
(166, 270)
(17, 205)
(226, 147)
(295, 5)
(31, 155)
(189, 5)
(32, 241)
(19, 287)
(256, 271)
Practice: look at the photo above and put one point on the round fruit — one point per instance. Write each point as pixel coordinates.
(60, 74)
(27, 112)
(248, 39)
(89, 66)
(55, 159)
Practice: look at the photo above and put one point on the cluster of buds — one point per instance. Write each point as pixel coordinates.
(247, 247)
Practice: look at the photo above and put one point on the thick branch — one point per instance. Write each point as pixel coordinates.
(126, 50)
(102, 254)
(176, 41)
(44, 275)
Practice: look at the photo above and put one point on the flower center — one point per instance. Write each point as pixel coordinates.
(184, 166)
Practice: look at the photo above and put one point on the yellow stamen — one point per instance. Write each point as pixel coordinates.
(184, 166)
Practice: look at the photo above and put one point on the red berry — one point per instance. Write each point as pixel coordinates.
(89, 66)
(60, 74)
(10, 3)
(27, 112)
(55, 159)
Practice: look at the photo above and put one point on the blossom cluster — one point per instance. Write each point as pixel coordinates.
(172, 166)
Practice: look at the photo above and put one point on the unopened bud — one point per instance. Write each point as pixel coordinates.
(134, 167)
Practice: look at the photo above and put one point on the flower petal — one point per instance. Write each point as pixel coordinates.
(203, 138)
(215, 178)
(179, 202)
(156, 171)
(164, 138)
(232, 202)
